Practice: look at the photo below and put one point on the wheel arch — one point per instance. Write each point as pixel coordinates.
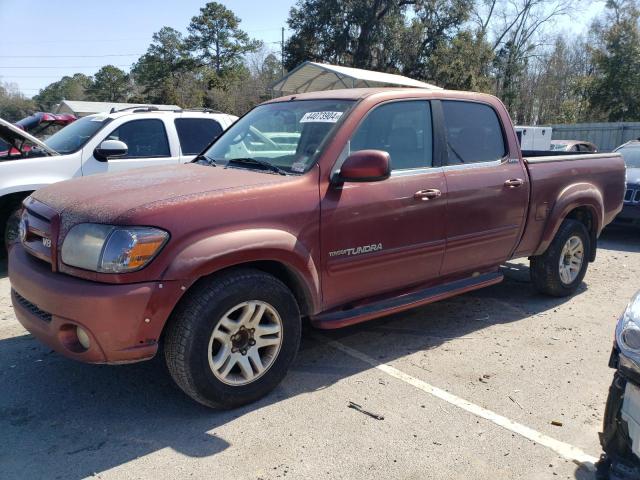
(272, 251)
(581, 202)
(11, 198)
(7, 201)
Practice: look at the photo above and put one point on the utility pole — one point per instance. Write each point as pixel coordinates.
(282, 52)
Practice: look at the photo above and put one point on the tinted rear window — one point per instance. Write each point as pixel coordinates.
(473, 133)
(196, 133)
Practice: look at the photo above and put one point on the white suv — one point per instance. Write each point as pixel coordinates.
(105, 142)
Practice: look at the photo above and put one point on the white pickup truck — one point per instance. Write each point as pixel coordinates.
(105, 142)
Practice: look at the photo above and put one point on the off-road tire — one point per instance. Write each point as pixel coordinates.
(544, 269)
(190, 327)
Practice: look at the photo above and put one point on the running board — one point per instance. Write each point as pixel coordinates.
(343, 318)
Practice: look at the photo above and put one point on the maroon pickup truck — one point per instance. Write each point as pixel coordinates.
(378, 201)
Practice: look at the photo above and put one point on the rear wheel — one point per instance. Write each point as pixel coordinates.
(560, 270)
(233, 338)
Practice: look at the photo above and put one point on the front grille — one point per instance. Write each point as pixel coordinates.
(632, 194)
(27, 305)
(41, 224)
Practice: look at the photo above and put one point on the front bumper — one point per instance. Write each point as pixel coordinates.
(621, 433)
(630, 215)
(123, 322)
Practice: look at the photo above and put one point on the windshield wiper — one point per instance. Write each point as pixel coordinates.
(256, 161)
(202, 159)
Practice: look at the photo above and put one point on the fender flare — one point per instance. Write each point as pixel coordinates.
(577, 195)
(211, 254)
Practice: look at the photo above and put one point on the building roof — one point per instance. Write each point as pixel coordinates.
(312, 76)
(86, 108)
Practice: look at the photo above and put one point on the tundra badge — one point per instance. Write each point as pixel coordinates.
(357, 250)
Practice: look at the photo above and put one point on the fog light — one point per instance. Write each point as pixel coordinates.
(83, 338)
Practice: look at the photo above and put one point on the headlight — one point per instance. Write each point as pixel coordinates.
(111, 249)
(628, 330)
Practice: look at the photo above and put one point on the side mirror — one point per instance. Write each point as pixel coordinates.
(364, 166)
(110, 149)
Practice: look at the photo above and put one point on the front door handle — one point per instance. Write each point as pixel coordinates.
(514, 182)
(427, 194)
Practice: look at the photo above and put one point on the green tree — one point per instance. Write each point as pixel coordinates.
(463, 63)
(110, 84)
(435, 24)
(615, 90)
(67, 88)
(341, 32)
(163, 72)
(216, 39)
(386, 35)
(13, 104)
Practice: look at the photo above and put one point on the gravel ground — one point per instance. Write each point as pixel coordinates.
(527, 357)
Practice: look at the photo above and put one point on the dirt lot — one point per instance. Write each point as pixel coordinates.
(468, 388)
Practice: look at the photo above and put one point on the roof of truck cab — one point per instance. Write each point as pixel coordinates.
(390, 92)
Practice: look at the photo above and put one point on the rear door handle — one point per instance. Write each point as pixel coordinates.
(513, 183)
(427, 194)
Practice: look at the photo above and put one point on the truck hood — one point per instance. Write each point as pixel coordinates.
(633, 176)
(11, 134)
(104, 198)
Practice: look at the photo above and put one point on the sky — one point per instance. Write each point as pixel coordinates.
(34, 31)
(43, 40)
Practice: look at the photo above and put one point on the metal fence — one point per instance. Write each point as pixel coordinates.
(607, 136)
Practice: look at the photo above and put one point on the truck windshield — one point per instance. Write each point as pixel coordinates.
(631, 156)
(73, 137)
(288, 135)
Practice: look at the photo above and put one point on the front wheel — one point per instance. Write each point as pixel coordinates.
(233, 338)
(560, 270)
(12, 227)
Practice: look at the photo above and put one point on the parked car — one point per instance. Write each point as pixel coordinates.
(130, 138)
(621, 430)
(39, 124)
(630, 214)
(389, 200)
(573, 146)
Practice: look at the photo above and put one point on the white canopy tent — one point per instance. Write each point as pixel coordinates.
(312, 76)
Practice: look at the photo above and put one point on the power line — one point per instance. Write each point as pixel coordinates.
(69, 66)
(73, 56)
(29, 76)
(84, 40)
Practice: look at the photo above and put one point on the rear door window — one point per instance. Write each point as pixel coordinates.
(402, 129)
(144, 138)
(196, 133)
(473, 132)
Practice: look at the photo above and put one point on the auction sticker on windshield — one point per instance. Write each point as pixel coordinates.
(326, 117)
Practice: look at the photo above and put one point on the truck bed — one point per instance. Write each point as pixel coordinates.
(534, 156)
(555, 177)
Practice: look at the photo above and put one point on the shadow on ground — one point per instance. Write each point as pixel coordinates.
(623, 239)
(62, 419)
(77, 419)
(3, 267)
